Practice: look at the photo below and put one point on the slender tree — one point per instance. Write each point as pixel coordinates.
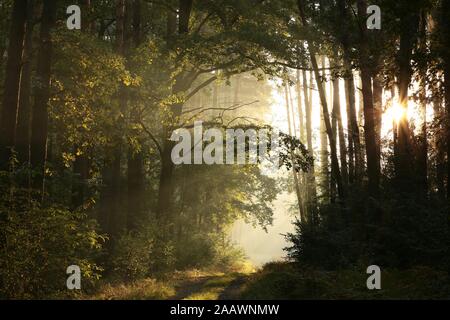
(39, 127)
(326, 114)
(11, 93)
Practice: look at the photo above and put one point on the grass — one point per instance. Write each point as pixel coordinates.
(146, 289)
(214, 287)
(190, 285)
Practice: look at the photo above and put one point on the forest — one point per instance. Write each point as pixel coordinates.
(93, 92)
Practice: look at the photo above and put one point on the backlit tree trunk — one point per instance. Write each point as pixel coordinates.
(334, 159)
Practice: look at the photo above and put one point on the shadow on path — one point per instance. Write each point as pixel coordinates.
(220, 287)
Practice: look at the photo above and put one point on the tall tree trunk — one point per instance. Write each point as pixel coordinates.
(334, 128)
(422, 142)
(373, 166)
(24, 112)
(338, 117)
(354, 142)
(111, 197)
(39, 127)
(294, 173)
(165, 192)
(324, 164)
(300, 107)
(351, 151)
(445, 28)
(439, 144)
(135, 157)
(334, 159)
(10, 101)
(301, 123)
(377, 111)
(311, 179)
(409, 25)
(86, 19)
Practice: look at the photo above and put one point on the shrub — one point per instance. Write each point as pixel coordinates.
(140, 253)
(39, 244)
(207, 250)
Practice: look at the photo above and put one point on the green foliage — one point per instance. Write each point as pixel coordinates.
(412, 232)
(132, 255)
(146, 289)
(211, 250)
(141, 253)
(37, 247)
(287, 281)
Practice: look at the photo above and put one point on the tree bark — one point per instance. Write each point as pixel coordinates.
(24, 112)
(294, 173)
(10, 101)
(356, 157)
(373, 166)
(39, 128)
(422, 142)
(334, 159)
(445, 28)
(311, 179)
(135, 176)
(338, 117)
(409, 25)
(324, 163)
(163, 210)
(377, 112)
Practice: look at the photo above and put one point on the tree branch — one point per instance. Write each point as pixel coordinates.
(158, 146)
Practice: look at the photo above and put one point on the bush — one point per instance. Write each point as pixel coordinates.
(138, 254)
(412, 232)
(39, 245)
(207, 250)
(287, 281)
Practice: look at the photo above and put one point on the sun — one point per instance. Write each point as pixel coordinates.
(396, 112)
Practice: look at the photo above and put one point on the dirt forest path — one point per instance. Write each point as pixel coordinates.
(212, 287)
(188, 285)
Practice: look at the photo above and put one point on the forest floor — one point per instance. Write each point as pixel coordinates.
(211, 287)
(185, 285)
(281, 280)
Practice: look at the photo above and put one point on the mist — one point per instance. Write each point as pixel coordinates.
(259, 246)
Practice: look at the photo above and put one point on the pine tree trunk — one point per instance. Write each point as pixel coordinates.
(324, 164)
(373, 165)
(24, 112)
(338, 116)
(39, 127)
(10, 101)
(135, 176)
(422, 142)
(445, 27)
(409, 24)
(334, 159)
(311, 179)
(377, 112)
(294, 173)
(165, 192)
